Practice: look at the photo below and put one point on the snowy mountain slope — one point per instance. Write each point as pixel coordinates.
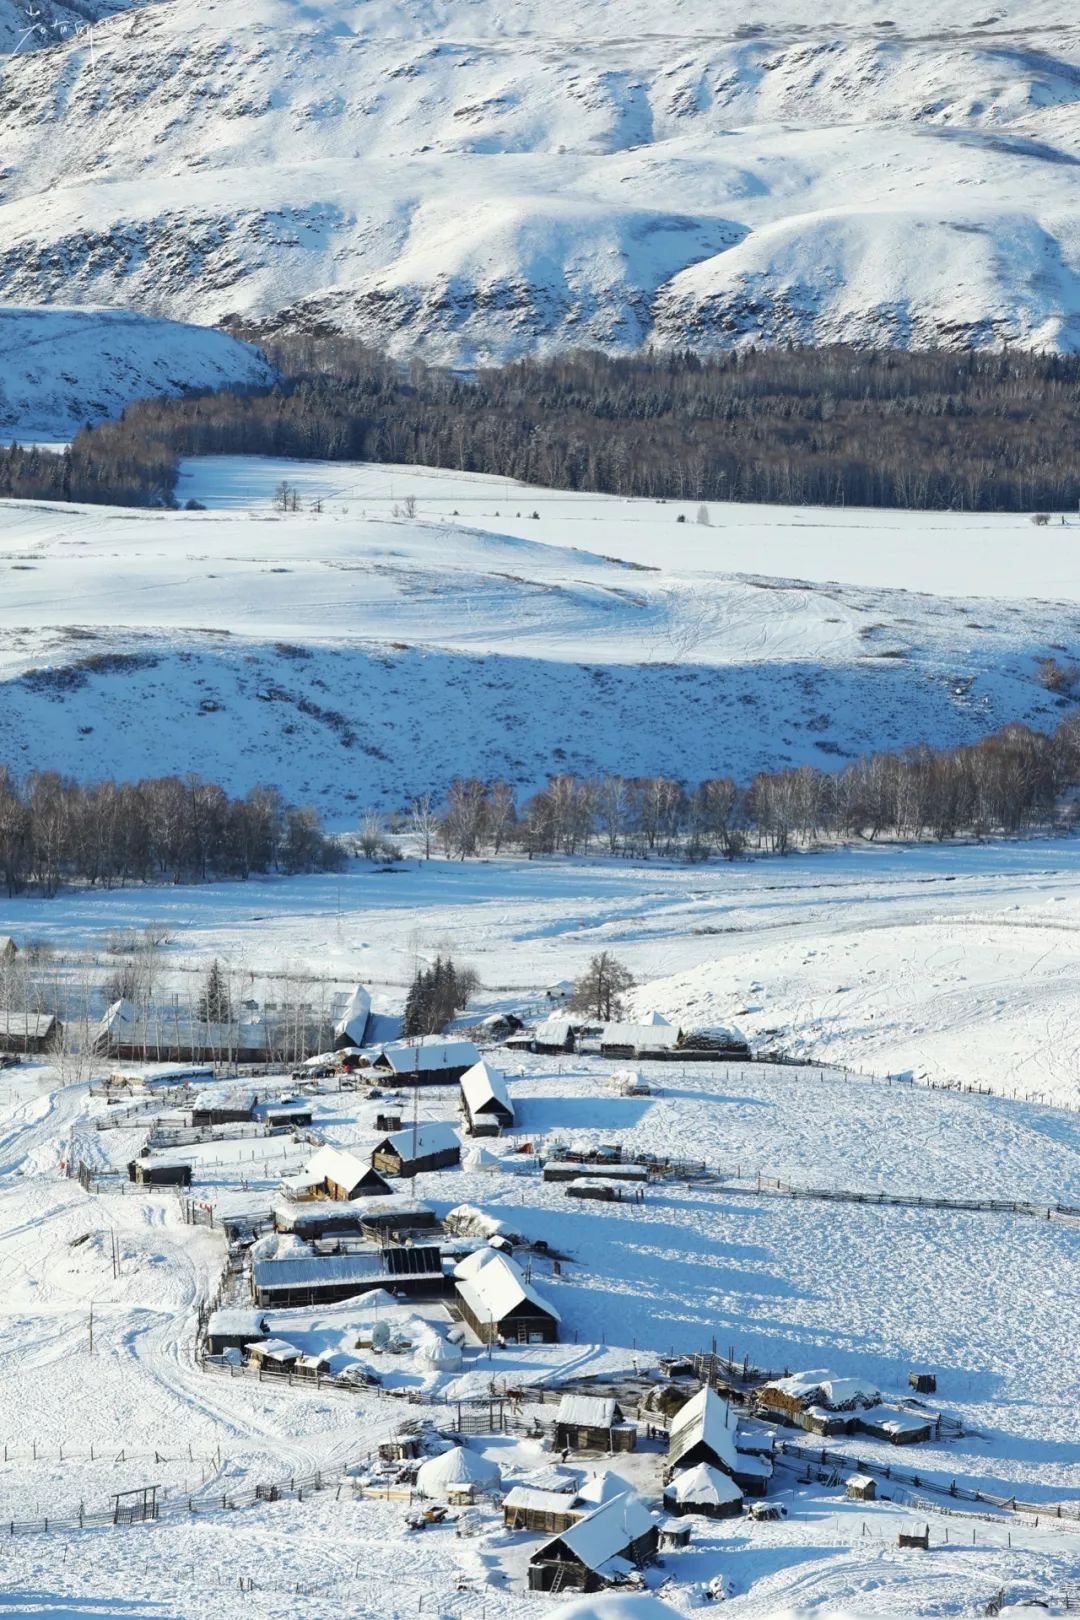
(32, 25)
(478, 180)
(410, 650)
(62, 368)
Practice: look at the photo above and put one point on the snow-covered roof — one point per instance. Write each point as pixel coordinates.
(353, 1023)
(276, 1349)
(860, 1481)
(432, 1052)
(616, 1171)
(231, 1321)
(497, 1287)
(614, 1606)
(458, 1466)
(603, 1487)
(606, 1532)
(705, 1418)
(483, 1085)
(553, 1031)
(894, 1421)
(705, 1485)
(825, 1389)
(587, 1411)
(26, 1026)
(306, 1270)
(338, 1165)
(434, 1136)
(653, 1018)
(537, 1501)
(639, 1036)
(470, 1264)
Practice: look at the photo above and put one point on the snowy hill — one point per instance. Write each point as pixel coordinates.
(356, 655)
(481, 179)
(62, 368)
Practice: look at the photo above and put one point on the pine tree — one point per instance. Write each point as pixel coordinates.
(214, 1006)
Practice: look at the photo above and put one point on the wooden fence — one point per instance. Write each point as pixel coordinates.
(772, 1186)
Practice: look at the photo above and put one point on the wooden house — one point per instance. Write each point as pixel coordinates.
(601, 1549)
(553, 1036)
(652, 1036)
(233, 1327)
(499, 1303)
(861, 1488)
(156, 1173)
(28, 1033)
(433, 1145)
(352, 1026)
(431, 1061)
(703, 1431)
(548, 1512)
(485, 1101)
(338, 1175)
(315, 1279)
(592, 1423)
(705, 1490)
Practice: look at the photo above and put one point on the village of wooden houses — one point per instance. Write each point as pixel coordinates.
(488, 1254)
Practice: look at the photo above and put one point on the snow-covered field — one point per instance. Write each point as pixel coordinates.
(490, 178)
(353, 656)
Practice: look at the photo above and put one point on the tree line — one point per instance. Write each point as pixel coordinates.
(165, 829)
(825, 426)
(1009, 783)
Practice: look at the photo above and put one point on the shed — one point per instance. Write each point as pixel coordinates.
(630, 1083)
(458, 1475)
(674, 1533)
(352, 1027)
(485, 1100)
(861, 1488)
(605, 1192)
(703, 1431)
(603, 1547)
(233, 1327)
(226, 1108)
(639, 1039)
(922, 1383)
(898, 1427)
(276, 1355)
(592, 1423)
(571, 1170)
(431, 1146)
(553, 1035)
(705, 1490)
(547, 1511)
(28, 1032)
(499, 1303)
(298, 1115)
(156, 1173)
(432, 1061)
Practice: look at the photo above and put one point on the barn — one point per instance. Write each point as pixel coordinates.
(29, 1032)
(599, 1550)
(592, 1423)
(224, 1108)
(432, 1061)
(550, 1512)
(554, 1035)
(434, 1145)
(314, 1279)
(705, 1490)
(654, 1037)
(485, 1100)
(498, 1303)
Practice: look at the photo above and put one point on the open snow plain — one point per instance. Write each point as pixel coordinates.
(356, 657)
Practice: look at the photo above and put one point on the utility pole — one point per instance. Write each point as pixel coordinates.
(91, 1327)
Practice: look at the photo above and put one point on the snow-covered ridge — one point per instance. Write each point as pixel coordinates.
(62, 368)
(476, 179)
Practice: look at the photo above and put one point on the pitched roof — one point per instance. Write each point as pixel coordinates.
(458, 1466)
(337, 1165)
(587, 1411)
(234, 1320)
(499, 1287)
(353, 1023)
(705, 1485)
(606, 1532)
(482, 1085)
(538, 1501)
(704, 1418)
(639, 1036)
(553, 1032)
(433, 1052)
(433, 1136)
(26, 1026)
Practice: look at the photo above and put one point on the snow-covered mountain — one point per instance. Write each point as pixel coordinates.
(62, 368)
(478, 178)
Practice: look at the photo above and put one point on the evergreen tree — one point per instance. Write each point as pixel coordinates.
(214, 1006)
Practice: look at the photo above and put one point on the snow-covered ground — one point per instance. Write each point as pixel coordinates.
(488, 178)
(353, 656)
